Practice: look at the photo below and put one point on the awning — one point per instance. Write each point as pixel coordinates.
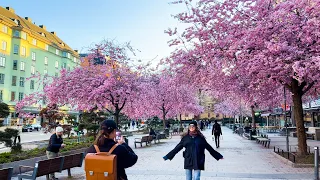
(265, 115)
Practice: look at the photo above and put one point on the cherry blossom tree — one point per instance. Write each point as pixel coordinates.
(106, 83)
(269, 44)
(162, 96)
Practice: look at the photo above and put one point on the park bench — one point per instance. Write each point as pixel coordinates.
(143, 139)
(6, 174)
(264, 140)
(71, 161)
(41, 168)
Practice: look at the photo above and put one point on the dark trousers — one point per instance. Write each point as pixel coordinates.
(217, 139)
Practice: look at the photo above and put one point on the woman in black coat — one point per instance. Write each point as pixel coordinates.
(106, 140)
(194, 143)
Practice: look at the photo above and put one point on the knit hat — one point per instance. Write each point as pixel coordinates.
(59, 129)
(193, 123)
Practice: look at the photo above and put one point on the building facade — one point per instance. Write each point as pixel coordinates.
(28, 50)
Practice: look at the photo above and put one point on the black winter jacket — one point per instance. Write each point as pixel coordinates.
(216, 129)
(125, 156)
(54, 143)
(194, 157)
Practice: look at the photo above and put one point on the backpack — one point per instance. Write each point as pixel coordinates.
(101, 165)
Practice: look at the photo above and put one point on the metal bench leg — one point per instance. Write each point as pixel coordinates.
(135, 145)
(47, 177)
(140, 144)
(69, 173)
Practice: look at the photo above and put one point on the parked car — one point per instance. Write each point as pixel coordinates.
(36, 127)
(27, 128)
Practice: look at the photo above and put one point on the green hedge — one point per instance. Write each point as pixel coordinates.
(37, 152)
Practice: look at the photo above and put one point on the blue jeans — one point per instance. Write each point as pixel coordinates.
(196, 175)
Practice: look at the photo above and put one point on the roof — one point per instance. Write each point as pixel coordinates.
(8, 15)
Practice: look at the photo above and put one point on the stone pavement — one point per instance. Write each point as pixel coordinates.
(243, 160)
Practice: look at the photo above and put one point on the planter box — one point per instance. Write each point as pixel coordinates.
(31, 162)
(292, 164)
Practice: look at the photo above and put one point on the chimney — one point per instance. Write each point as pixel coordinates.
(28, 19)
(10, 9)
(54, 33)
(76, 51)
(43, 27)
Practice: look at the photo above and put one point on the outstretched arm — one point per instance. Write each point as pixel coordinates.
(213, 152)
(172, 153)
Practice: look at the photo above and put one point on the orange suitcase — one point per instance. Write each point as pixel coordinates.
(101, 165)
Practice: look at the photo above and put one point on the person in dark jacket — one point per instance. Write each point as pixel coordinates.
(194, 159)
(106, 140)
(54, 146)
(216, 131)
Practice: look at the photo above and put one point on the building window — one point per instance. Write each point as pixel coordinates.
(1, 95)
(1, 78)
(64, 54)
(74, 59)
(33, 70)
(5, 29)
(56, 74)
(46, 47)
(21, 83)
(32, 84)
(69, 68)
(24, 35)
(16, 49)
(13, 95)
(65, 65)
(2, 61)
(23, 51)
(4, 45)
(33, 56)
(45, 71)
(69, 56)
(34, 42)
(46, 60)
(20, 96)
(57, 64)
(14, 80)
(16, 33)
(57, 51)
(15, 64)
(22, 66)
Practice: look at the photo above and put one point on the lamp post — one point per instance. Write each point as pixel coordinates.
(285, 117)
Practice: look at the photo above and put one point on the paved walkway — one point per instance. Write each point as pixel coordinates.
(243, 160)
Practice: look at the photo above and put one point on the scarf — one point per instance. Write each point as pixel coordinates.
(193, 133)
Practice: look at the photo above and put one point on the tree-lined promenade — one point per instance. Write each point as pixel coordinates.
(240, 52)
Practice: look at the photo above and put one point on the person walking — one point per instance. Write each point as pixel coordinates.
(106, 139)
(194, 159)
(216, 131)
(54, 146)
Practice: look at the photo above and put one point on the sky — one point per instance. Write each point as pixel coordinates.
(82, 23)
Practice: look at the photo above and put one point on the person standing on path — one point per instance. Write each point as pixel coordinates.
(194, 159)
(216, 131)
(54, 146)
(106, 140)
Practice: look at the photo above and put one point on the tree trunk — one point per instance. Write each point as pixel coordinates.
(253, 126)
(298, 114)
(116, 117)
(180, 120)
(164, 119)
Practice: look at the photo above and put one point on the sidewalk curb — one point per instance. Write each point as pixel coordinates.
(288, 162)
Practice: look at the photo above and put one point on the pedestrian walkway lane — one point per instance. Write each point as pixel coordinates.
(243, 160)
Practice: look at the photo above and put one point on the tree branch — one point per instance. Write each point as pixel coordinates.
(124, 102)
(308, 88)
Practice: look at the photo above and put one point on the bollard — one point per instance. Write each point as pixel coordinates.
(316, 163)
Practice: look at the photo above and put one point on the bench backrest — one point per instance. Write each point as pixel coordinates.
(144, 138)
(48, 166)
(6, 174)
(73, 160)
(150, 138)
